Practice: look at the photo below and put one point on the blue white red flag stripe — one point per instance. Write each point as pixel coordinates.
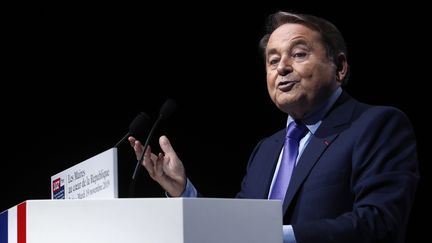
(22, 223)
(13, 225)
(4, 227)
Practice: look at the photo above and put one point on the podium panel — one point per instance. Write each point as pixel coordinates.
(170, 220)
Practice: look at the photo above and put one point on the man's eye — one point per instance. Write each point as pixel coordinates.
(273, 61)
(299, 54)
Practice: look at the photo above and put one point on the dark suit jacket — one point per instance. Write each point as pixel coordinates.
(354, 182)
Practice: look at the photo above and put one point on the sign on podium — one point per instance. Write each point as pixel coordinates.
(95, 177)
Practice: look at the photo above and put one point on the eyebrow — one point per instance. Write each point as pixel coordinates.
(292, 44)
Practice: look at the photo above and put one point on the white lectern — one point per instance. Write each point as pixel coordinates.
(158, 220)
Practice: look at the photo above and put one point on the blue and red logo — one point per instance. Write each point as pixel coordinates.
(58, 189)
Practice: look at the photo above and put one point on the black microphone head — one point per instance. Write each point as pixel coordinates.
(139, 124)
(136, 128)
(167, 109)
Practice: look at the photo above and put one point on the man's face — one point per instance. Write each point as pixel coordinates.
(300, 76)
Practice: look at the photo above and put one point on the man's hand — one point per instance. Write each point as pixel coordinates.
(165, 168)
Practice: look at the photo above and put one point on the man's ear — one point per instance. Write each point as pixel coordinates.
(341, 66)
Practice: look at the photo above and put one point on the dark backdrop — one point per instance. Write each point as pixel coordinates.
(76, 75)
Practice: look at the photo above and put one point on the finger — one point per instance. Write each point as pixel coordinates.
(166, 145)
(148, 162)
(149, 158)
(158, 166)
(153, 163)
(138, 149)
(132, 140)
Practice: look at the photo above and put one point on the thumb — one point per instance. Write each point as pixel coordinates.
(165, 145)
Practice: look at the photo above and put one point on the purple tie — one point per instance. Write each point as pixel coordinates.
(295, 132)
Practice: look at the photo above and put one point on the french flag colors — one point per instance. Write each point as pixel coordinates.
(13, 224)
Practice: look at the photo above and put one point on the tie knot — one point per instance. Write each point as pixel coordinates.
(296, 130)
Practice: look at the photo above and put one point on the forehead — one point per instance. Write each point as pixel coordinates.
(290, 31)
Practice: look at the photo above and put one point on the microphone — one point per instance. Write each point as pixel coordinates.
(137, 126)
(165, 111)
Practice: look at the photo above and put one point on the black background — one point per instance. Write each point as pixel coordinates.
(76, 75)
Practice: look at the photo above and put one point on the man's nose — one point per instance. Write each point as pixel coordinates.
(284, 68)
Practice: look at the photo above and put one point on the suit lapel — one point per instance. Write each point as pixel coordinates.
(329, 129)
(310, 156)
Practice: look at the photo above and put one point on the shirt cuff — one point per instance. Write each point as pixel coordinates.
(288, 234)
(189, 191)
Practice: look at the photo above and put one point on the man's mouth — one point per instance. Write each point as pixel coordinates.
(286, 86)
